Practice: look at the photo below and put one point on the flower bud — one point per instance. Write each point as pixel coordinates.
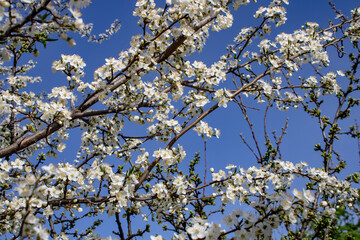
(71, 42)
(5, 4)
(36, 53)
(64, 36)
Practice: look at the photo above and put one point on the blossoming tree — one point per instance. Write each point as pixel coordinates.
(156, 84)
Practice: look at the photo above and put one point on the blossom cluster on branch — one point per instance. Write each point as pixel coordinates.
(156, 86)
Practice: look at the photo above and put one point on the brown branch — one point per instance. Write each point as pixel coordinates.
(118, 222)
(180, 40)
(85, 200)
(26, 20)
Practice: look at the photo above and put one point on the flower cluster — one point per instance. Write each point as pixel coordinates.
(202, 128)
(127, 117)
(283, 205)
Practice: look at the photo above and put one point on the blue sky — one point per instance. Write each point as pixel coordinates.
(303, 132)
